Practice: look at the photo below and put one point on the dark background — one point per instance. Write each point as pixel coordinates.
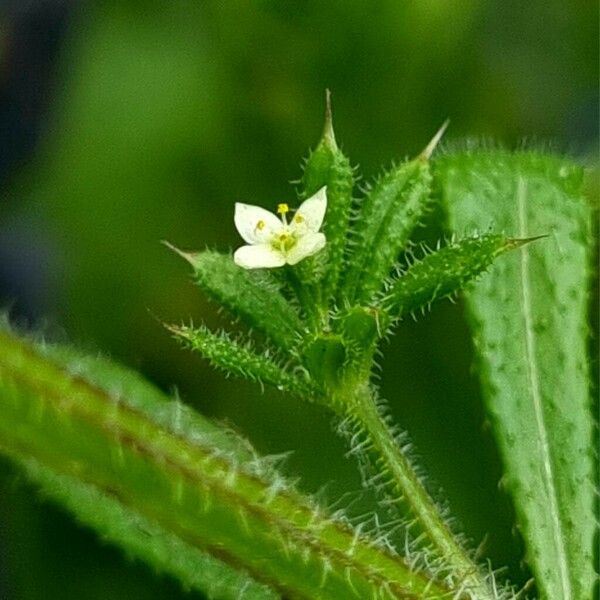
(123, 123)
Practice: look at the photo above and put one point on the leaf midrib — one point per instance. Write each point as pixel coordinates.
(536, 398)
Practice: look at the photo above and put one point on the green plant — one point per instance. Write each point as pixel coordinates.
(126, 460)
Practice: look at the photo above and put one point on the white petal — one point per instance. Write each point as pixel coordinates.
(261, 256)
(255, 224)
(311, 213)
(307, 245)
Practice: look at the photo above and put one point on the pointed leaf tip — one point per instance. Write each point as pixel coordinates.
(328, 133)
(518, 242)
(435, 140)
(175, 329)
(185, 255)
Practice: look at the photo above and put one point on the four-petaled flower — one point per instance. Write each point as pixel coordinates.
(273, 242)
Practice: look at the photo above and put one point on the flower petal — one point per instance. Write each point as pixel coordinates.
(260, 256)
(310, 214)
(307, 245)
(255, 224)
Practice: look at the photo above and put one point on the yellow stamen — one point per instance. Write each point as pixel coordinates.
(283, 209)
(260, 225)
(299, 219)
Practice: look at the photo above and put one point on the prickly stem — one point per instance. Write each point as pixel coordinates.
(403, 482)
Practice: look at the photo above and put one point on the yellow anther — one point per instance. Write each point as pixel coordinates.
(283, 237)
(298, 219)
(283, 209)
(260, 225)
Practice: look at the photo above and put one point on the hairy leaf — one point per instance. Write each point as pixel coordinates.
(529, 318)
(241, 360)
(444, 273)
(207, 512)
(144, 538)
(252, 295)
(383, 226)
(328, 166)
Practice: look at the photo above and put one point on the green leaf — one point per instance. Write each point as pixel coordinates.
(177, 491)
(529, 318)
(443, 273)
(327, 166)
(384, 223)
(252, 295)
(144, 538)
(242, 361)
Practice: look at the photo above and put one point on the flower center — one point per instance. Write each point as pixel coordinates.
(284, 241)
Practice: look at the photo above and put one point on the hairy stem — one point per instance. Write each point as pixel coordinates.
(366, 419)
(307, 293)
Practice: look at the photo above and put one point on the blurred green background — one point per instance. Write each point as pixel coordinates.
(127, 122)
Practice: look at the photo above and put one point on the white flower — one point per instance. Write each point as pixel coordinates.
(273, 242)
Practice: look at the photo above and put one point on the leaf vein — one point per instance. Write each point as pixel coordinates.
(536, 397)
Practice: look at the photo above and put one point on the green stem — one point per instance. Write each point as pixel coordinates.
(389, 456)
(308, 294)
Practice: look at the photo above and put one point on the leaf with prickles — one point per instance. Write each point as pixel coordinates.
(166, 490)
(327, 166)
(145, 539)
(444, 273)
(383, 226)
(254, 296)
(241, 361)
(529, 320)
